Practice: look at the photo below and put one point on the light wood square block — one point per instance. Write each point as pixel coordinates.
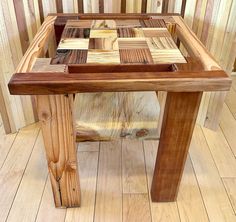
(167, 56)
(108, 57)
(103, 33)
(103, 24)
(75, 43)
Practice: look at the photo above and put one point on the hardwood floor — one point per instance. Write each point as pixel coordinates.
(116, 178)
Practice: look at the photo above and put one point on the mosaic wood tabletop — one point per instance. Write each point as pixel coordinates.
(117, 42)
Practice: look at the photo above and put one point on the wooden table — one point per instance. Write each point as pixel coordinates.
(116, 53)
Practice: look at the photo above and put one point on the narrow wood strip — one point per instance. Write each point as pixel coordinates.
(81, 6)
(21, 22)
(4, 114)
(109, 185)
(123, 6)
(101, 6)
(167, 16)
(33, 180)
(165, 5)
(14, 166)
(144, 6)
(91, 68)
(60, 83)
(59, 6)
(183, 7)
(133, 176)
(41, 14)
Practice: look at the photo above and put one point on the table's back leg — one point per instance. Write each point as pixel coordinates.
(179, 118)
(56, 115)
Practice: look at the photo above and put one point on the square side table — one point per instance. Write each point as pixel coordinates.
(116, 53)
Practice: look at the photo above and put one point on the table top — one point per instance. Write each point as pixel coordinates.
(116, 53)
(119, 41)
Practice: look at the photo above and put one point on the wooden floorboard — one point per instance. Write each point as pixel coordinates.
(116, 178)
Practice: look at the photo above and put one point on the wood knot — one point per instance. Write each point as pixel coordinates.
(142, 133)
(158, 3)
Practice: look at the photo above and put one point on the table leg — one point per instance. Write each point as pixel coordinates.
(56, 115)
(179, 118)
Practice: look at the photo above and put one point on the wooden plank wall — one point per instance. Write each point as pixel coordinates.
(212, 20)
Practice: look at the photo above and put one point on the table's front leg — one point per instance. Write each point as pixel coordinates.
(179, 118)
(56, 115)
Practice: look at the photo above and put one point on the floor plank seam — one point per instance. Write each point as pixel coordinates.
(9, 150)
(227, 140)
(36, 216)
(228, 197)
(145, 164)
(199, 188)
(211, 151)
(23, 174)
(95, 200)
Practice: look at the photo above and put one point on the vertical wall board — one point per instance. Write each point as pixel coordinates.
(154, 6)
(91, 6)
(212, 20)
(111, 6)
(133, 6)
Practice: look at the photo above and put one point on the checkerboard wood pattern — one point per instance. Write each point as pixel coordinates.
(117, 42)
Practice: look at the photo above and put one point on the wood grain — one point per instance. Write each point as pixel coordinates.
(126, 115)
(136, 203)
(109, 184)
(60, 83)
(176, 133)
(133, 176)
(14, 166)
(88, 164)
(160, 211)
(34, 180)
(60, 147)
(21, 22)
